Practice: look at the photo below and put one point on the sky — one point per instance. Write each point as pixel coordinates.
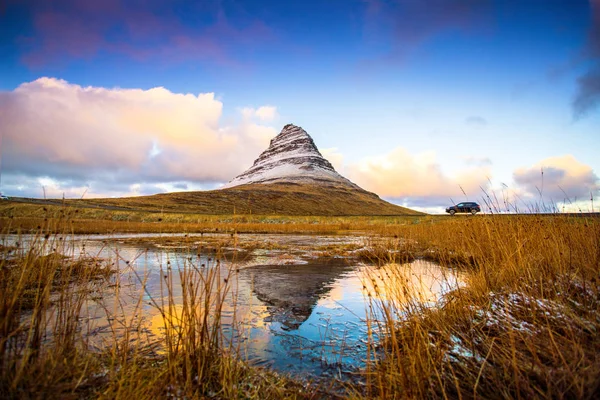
(424, 103)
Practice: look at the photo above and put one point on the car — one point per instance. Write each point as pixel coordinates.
(3, 197)
(464, 207)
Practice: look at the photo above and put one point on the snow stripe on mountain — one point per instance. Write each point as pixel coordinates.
(291, 157)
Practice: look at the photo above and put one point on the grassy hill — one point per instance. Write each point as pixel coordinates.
(276, 198)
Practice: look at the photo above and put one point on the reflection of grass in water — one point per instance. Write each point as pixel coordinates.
(419, 282)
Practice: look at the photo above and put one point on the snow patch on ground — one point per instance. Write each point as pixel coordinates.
(506, 312)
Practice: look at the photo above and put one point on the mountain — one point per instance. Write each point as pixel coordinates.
(292, 157)
(290, 177)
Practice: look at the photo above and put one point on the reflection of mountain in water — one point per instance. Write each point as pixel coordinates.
(292, 291)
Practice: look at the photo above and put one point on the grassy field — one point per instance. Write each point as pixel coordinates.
(26, 217)
(526, 325)
(326, 199)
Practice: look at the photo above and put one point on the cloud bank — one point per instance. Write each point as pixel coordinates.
(557, 179)
(419, 181)
(409, 23)
(399, 175)
(78, 135)
(170, 32)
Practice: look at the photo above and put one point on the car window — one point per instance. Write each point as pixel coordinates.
(460, 205)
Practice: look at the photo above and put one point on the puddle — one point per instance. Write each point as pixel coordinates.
(287, 309)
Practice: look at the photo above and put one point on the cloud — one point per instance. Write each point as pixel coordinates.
(335, 158)
(63, 30)
(557, 178)
(266, 113)
(588, 93)
(263, 113)
(408, 23)
(400, 175)
(473, 161)
(119, 136)
(587, 96)
(418, 181)
(475, 120)
(18, 185)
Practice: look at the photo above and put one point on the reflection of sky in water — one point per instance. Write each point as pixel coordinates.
(329, 340)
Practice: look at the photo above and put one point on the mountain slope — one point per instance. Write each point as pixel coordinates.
(288, 199)
(261, 199)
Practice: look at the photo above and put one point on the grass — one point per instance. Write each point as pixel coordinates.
(525, 325)
(43, 294)
(24, 217)
(326, 199)
(45, 351)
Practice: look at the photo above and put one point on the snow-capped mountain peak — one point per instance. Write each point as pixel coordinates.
(292, 156)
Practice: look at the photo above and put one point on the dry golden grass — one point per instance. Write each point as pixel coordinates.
(258, 199)
(22, 217)
(42, 293)
(525, 326)
(44, 352)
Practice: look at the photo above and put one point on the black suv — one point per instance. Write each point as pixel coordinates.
(465, 207)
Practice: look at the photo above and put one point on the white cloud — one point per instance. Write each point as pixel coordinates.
(77, 134)
(335, 158)
(266, 113)
(558, 179)
(263, 113)
(477, 161)
(399, 175)
(419, 182)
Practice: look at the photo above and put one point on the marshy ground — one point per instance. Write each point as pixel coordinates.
(523, 322)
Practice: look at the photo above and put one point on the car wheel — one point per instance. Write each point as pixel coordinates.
(452, 212)
(473, 211)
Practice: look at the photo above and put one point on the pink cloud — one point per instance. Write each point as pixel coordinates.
(399, 174)
(62, 35)
(78, 134)
(409, 23)
(556, 179)
(67, 29)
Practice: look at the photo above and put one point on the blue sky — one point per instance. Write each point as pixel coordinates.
(416, 101)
